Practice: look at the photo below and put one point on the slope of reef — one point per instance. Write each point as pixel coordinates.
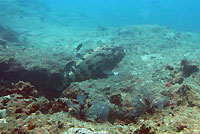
(154, 89)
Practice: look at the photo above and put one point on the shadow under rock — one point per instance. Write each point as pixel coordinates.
(44, 81)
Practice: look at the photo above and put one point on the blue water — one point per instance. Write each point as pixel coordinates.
(178, 14)
(183, 15)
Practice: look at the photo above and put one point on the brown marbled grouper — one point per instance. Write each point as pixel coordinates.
(98, 63)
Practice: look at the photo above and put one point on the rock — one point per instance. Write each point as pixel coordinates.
(84, 131)
(116, 99)
(188, 68)
(9, 34)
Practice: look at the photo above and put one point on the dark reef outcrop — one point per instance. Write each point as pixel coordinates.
(44, 81)
(9, 35)
(188, 68)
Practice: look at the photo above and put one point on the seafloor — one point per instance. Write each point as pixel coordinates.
(155, 89)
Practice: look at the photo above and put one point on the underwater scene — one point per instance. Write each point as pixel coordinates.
(99, 66)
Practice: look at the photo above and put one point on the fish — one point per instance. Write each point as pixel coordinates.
(79, 47)
(97, 63)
